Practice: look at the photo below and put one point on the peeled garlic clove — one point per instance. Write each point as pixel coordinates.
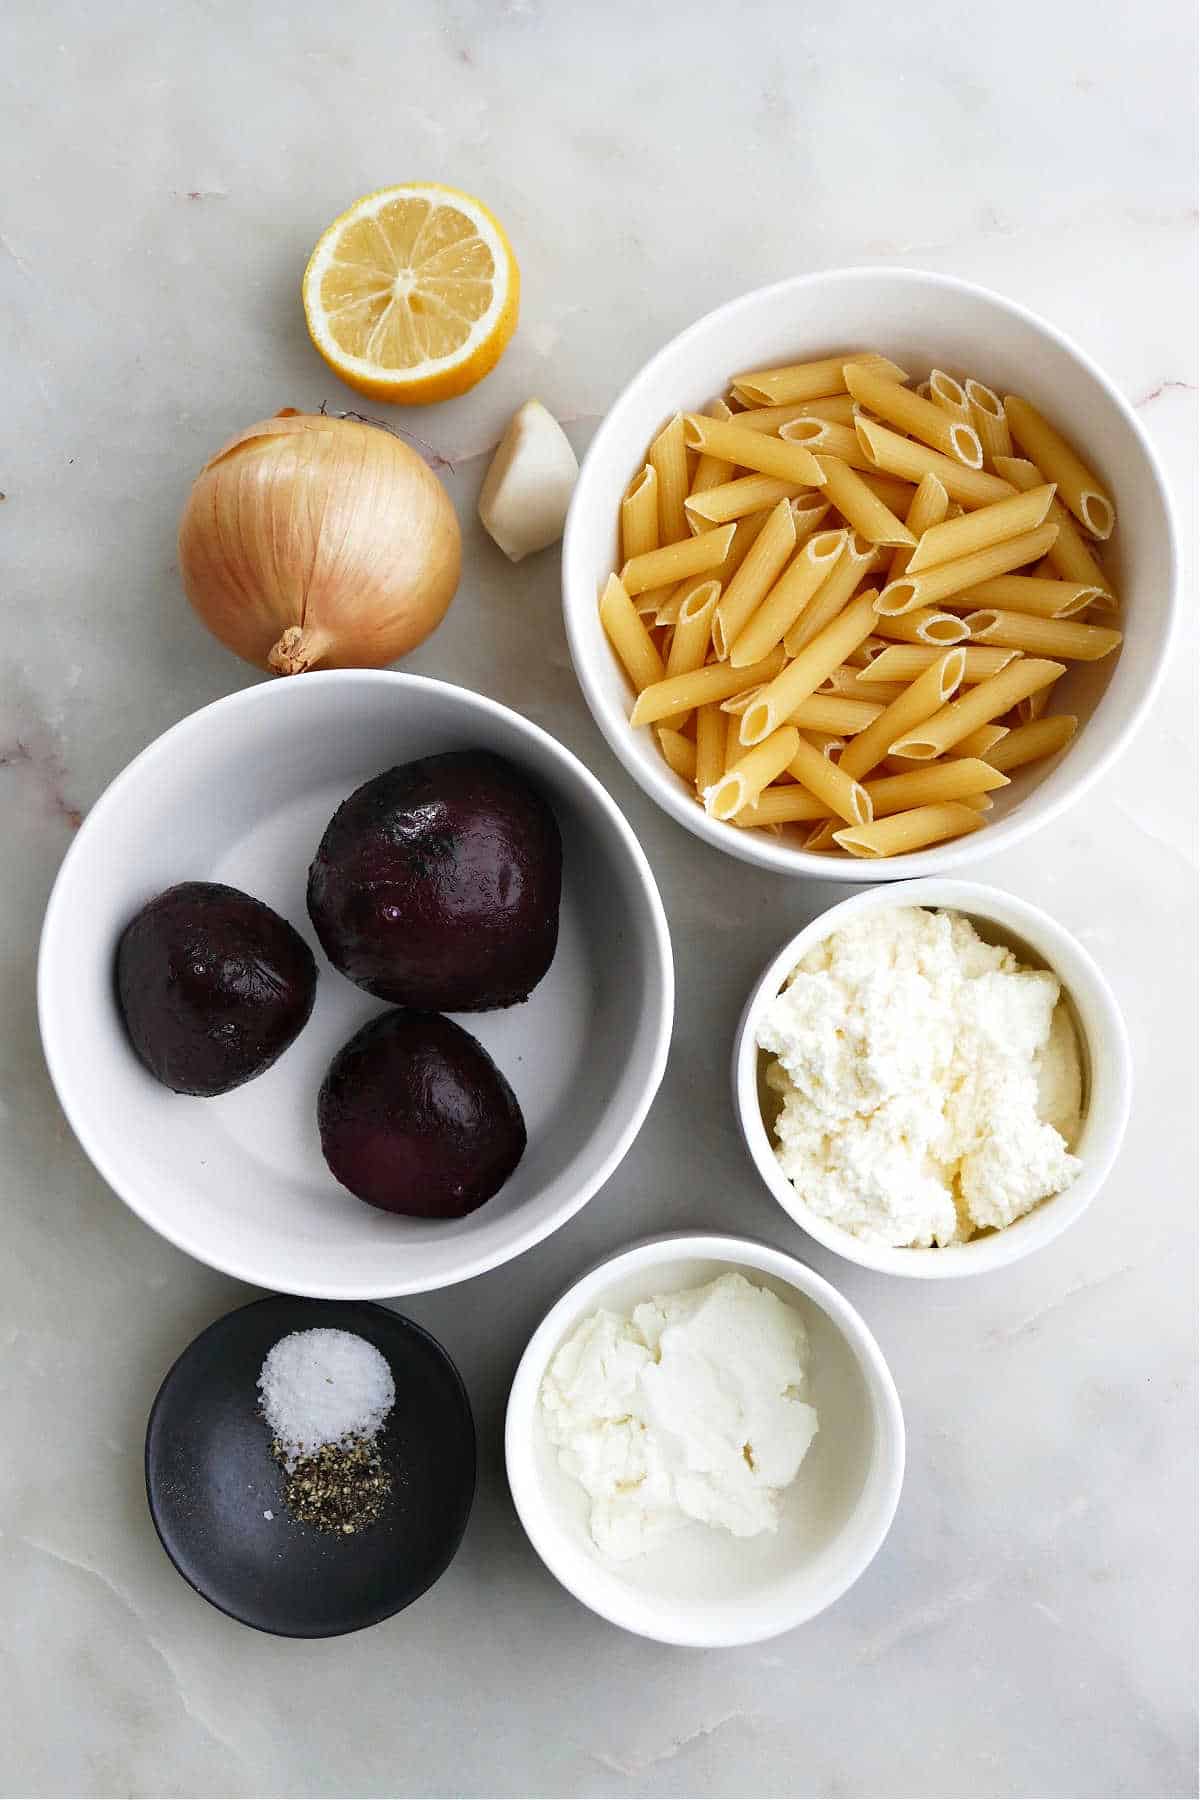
(526, 491)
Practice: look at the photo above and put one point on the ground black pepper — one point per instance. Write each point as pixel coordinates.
(340, 1488)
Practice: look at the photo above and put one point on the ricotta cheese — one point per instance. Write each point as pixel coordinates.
(930, 1083)
(691, 1408)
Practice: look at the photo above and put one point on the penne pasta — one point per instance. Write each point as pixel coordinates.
(838, 409)
(820, 436)
(808, 512)
(981, 529)
(741, 785)
(667, 456)
(1070, 554)
(711, 471)
(896, 455)
(955, 780)
(985, 738)
(734, 499)
(904, 662)
(639, 515)
(920, 418)
(629, 637)
(978, 706)
(927, 508)
(821, 836)
(745, 536)
(693, 628)
(925, 625)
(786, 601)
(947, 394)
(834, 712)
(683, 693)
(1065, 638)
(781, 806)
(1078, 488)
(832, 595)
(805, 673)
(825, 741)
(733, 746)
(756, 450)
(1034, 705)
(895, 494)
(990, 421)
(679, 752)
(1043, 595)
(861, 508)
(686, 557)
(810, 380)
(710, 745)
(931, 585)
(858, 684)
(907, 831)
(1029, 743)
(758, 573)
(926, 697)
(841, 794)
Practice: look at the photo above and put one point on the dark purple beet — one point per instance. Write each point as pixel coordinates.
(213, 986)
(416, 1118)
(437, 884)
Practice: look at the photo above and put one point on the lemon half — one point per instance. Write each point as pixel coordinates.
(412, 294)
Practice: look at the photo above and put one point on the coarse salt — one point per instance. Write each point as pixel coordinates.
(323, 1387)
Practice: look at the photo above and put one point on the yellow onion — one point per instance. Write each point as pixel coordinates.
(313, 542)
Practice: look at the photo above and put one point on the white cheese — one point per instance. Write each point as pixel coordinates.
(930, 1083)
(690, 1409)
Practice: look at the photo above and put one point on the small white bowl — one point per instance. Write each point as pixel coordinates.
(1107, 1073)
(241, 792)
(922, 320)
(703, 1587)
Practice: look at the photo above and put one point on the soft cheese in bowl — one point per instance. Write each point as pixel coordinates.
(703, 1441)
(932, 1080)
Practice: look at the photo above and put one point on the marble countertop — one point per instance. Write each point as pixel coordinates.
(1029, 1628)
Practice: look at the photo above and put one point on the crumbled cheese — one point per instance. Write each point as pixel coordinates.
(930, 1082)
(690, 1409)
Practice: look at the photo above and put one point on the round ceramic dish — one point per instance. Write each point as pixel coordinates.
(1107, 1073)
(703, 1586)
(216, 1493)
(922, 320)
(241, 793)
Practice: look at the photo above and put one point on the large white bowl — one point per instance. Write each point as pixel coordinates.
(922, 320)
(241, 793)
(1107, 1073)
(703, 1586)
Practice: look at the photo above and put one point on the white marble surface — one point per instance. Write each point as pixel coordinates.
(1029, 1627)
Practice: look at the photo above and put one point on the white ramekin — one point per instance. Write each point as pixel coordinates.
(922, 320)
(1108, 1079)
(705, 1587)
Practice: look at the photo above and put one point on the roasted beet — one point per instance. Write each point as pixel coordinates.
(416, 1118)
(213, 986)
(437, 884)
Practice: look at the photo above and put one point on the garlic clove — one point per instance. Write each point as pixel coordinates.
(527, 489)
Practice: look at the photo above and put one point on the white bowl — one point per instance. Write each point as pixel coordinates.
(922, 320)
(1107, 1073)
(241, 793)
(703, 1586)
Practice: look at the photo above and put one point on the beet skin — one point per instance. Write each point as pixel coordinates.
(436, 885)
(416, 1118)
(213, 986)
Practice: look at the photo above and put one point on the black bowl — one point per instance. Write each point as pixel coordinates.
(211, 1479)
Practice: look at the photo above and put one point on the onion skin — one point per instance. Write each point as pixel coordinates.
(310, 541)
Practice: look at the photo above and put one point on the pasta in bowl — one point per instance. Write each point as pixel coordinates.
(837, 612)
